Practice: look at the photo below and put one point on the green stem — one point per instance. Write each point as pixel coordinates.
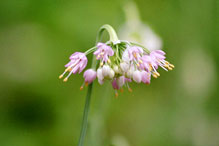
(110, 30)
(113, 37)
(85, 116)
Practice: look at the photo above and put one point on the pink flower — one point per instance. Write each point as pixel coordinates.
(78, 62)
(148, 63)
(135, 52)
(145, 77)
(103, 52)
(89, 76)
(153, 60)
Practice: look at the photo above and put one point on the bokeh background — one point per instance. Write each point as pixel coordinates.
(37, 109)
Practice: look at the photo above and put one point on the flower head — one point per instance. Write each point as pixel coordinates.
(120, 62)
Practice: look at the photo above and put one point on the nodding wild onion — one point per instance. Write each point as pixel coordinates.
(118, 61)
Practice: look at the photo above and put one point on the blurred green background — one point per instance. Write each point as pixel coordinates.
(37, 109)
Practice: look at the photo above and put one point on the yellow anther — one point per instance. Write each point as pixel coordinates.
(170, 68)
(150, 68)
(140, 61)
(167, 62)
(130, 89)
(67, 69)
(134, 54)
(101, 64)
(137, 64)
(171, 65)
(65, 80)
(116, 95)
(154, 75)
(60, 76)
(108, 61)
(86, 84)
(166, 65)
(121, 90)
(82, 87)
(157, 74)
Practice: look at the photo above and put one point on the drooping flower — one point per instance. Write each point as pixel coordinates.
(89, 76)
(159, 57)
(77, 63)
(103, 52)
(153, 60)
(135, 52)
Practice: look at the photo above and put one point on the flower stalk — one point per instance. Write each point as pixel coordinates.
(118, 61)
(113, 37)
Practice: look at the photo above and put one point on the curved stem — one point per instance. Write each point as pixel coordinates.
(110, 30)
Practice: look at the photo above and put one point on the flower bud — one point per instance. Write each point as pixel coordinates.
(124, 66)
(106, 70)
(121, 81)
(137, 76)
(116, 69)
(89, 76)
(100, 74)
(100, 81)
(111, 73)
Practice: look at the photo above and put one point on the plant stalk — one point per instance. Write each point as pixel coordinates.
(113, 37)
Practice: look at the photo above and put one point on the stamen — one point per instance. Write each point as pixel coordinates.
(167, 62)
(163, 66)
(63, 74)
(150, 68)
(67, 69)
(166, 65)
(60, 76)
(121, 90)
(154, 75)
(82, 86)
(172, 66)
(157, 74)
(135, 55)
(154, 68)
(86, 84)
(140, 61)
(109, 61)
(66, 79)
(116, 94)
(130, 89)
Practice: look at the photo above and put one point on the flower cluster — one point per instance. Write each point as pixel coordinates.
(120, 62)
